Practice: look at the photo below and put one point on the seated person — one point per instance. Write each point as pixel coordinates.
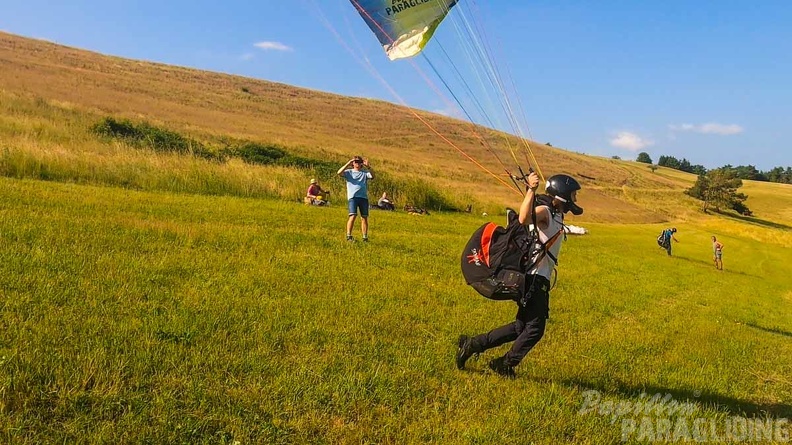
(384, 203)
(315, 194)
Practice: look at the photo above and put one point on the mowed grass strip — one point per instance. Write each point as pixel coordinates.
(136, 317)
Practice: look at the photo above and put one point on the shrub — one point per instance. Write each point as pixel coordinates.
(255, 153)
(156, 138)
(109, 127)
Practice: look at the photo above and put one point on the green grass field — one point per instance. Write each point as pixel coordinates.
(155, 297)
(153, 317)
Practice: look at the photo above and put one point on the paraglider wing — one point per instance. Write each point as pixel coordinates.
(403, 27)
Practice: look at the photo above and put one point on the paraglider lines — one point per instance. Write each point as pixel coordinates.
(373, 71)
(431, 84)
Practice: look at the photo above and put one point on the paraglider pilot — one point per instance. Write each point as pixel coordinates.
(533, 297)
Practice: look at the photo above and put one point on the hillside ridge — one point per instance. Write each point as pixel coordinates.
(321, 123)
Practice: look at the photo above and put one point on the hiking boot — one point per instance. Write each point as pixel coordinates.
(500, 367)
(467, 348)
(350, 239)
(365, 239)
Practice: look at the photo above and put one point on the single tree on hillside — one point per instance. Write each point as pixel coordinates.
(644, 157)
(718, 189)
(700, 190)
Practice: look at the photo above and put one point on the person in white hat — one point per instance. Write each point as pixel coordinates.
(315, 194)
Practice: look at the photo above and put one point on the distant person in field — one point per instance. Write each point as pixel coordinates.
(717, 251)
(533, 294)
(668, 235)
(385, 203)
(315, 194)
(357, 179)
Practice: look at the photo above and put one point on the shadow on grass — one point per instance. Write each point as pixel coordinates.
(712, 266)
(757, 221)
(771, 330)
(705, 399)
(723, 403)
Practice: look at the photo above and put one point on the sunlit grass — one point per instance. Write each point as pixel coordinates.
(155, 317)
(196, 302)
(769, 200)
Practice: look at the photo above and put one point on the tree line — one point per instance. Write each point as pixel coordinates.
(672, 162)
(717, 188)
(777, 174)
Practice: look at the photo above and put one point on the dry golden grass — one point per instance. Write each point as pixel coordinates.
(215, 104)
(770, 200)
(51, 94)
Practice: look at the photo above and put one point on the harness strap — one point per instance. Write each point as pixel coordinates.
(545, 250)
(545, 247)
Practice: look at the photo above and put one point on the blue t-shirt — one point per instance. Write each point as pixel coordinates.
(357, 183)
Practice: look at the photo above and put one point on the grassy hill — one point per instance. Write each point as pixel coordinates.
(151, 295)
(151, 317)
(51, 94)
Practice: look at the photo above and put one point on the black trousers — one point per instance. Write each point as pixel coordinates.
(529, 324)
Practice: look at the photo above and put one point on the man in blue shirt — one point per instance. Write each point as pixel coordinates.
(357, 193)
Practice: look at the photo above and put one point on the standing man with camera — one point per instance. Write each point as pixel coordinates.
(357, 193)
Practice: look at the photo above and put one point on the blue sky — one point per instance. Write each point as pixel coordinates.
(709, 81)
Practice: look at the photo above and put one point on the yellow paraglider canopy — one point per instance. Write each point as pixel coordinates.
(403, 26)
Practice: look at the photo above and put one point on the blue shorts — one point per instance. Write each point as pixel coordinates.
(361, 204)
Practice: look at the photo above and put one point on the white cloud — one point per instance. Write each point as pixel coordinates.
(630, 141)
(272, 46)
(709, 128)
(682, 127)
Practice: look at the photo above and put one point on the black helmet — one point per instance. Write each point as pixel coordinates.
(563, 187)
